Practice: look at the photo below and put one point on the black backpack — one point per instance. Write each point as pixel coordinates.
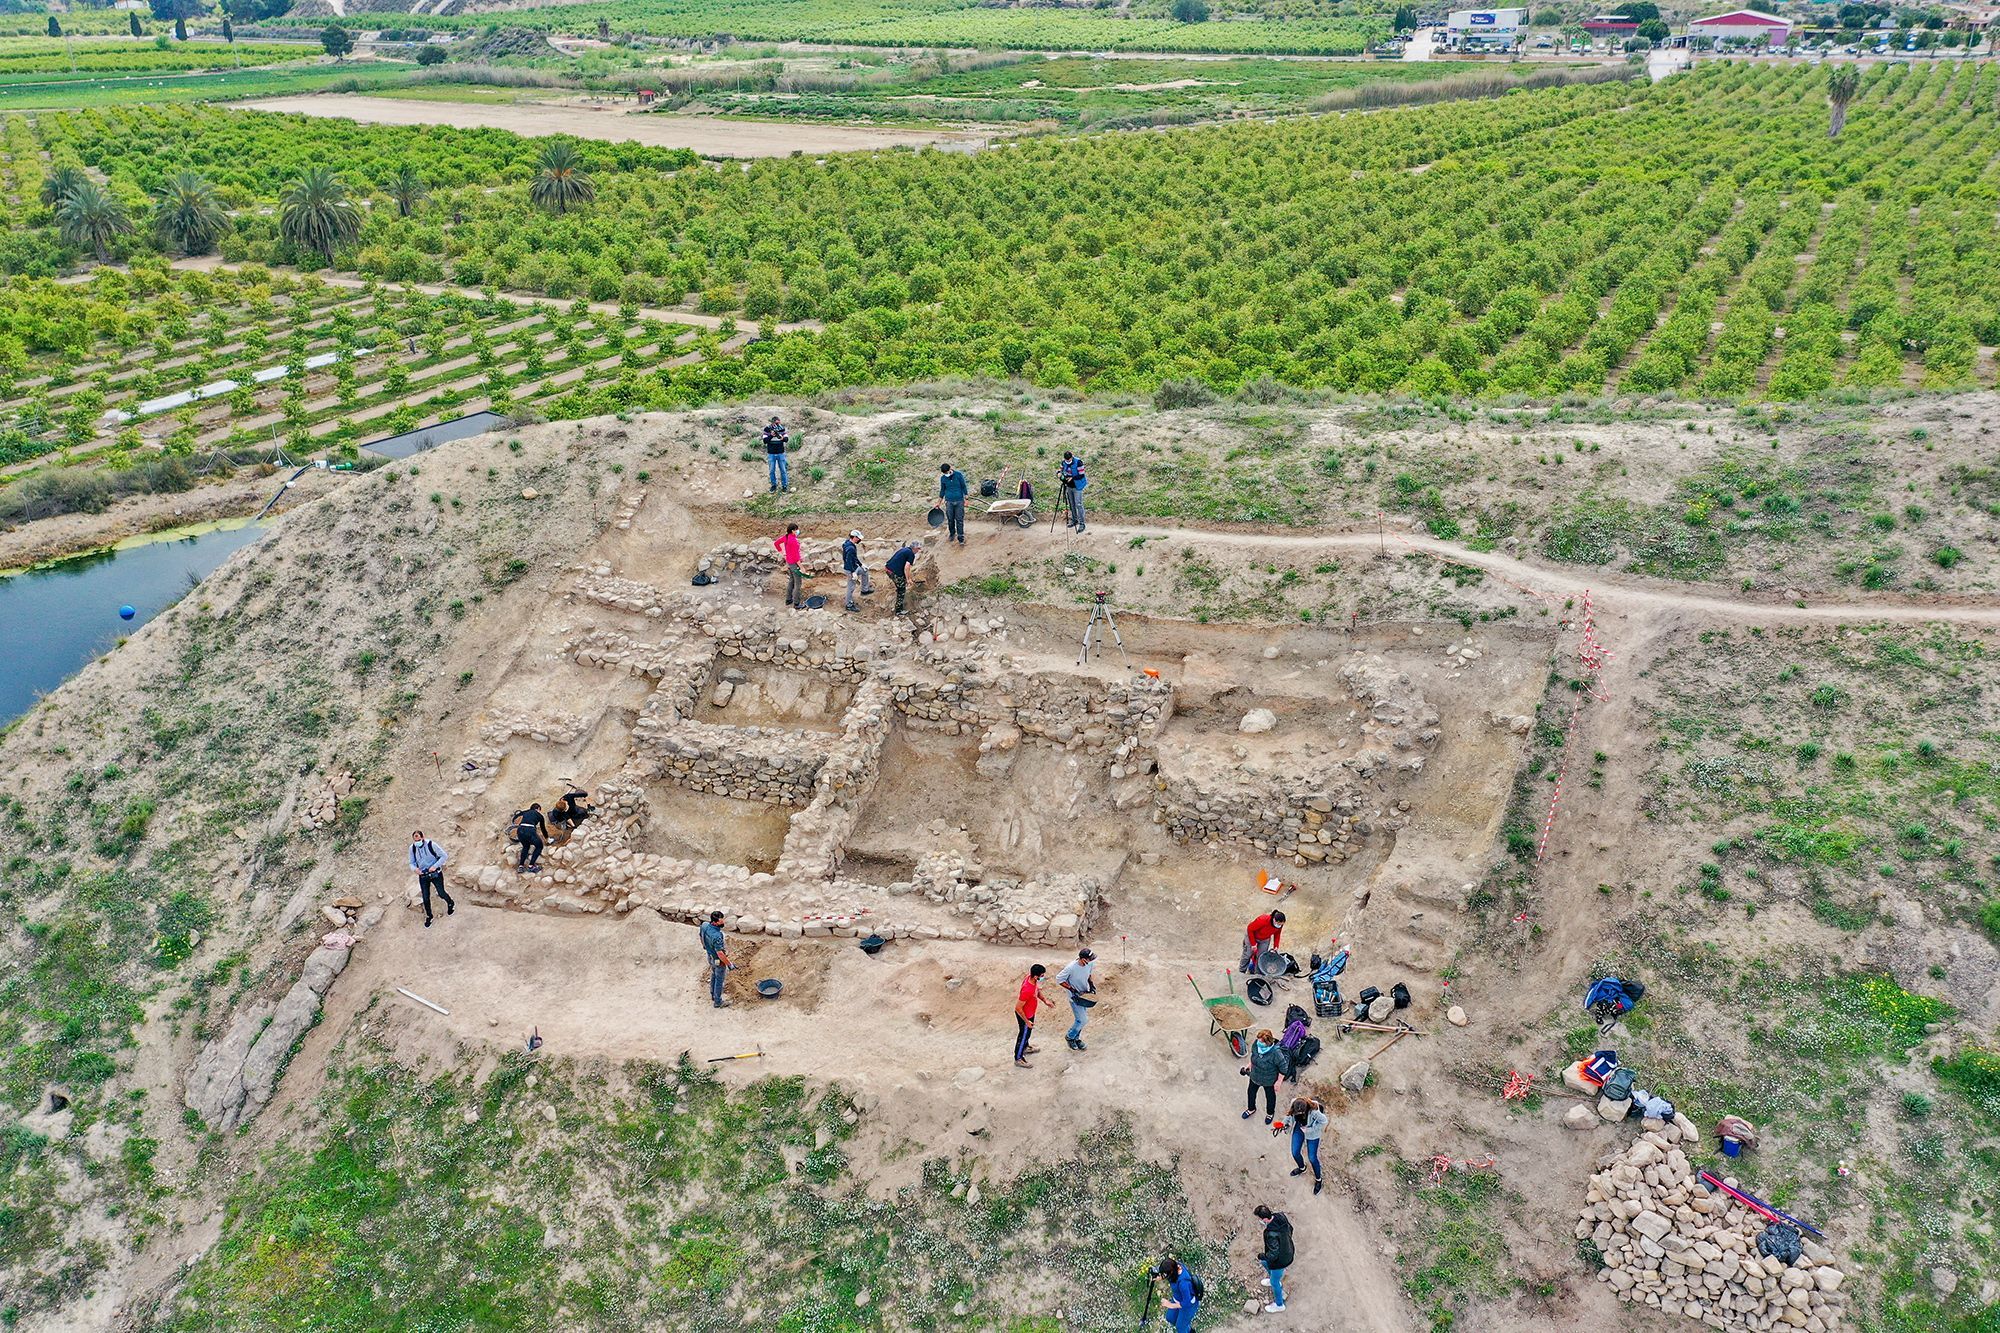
(1199, 1287)
(1400, 994)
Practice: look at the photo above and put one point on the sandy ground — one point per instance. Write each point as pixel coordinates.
(707, 135)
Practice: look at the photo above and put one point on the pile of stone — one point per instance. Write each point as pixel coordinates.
(1668, 1242)
(757, 559)
(535, 726)
(1400, 723)
(235, 1074)
(323, 806)
(610, 650)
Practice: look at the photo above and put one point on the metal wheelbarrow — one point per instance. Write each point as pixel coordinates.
(1228, 1017)
(1020, 512)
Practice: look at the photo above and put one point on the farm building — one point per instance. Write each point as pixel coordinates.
(1610, 25)
(1487, 27)
(1742, 25)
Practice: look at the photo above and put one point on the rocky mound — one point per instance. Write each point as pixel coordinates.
(503, 44)
(1668, 1242)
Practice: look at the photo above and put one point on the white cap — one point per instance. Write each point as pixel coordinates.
(856, 534)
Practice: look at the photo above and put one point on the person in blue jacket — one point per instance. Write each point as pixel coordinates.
(1180, 1304)
(951, 489)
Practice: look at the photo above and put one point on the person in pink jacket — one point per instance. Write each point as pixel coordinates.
(788, 547)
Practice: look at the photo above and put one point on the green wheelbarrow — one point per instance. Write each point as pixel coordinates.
(1228, 1016)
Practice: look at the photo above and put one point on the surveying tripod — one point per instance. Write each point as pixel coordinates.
(1100, 613)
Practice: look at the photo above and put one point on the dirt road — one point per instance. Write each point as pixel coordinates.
(708, 135)
(1627, 592)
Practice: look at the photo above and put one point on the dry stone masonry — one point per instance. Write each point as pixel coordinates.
(762, 705)
(1668, 1242)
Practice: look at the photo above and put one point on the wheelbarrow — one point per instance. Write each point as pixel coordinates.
(1019, 512)
(1228, 1017)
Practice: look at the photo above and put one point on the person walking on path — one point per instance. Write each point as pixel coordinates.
(856, 571)
(788, 547)
(1180, 1305)
(531, 828)
(716, 947)
(899, 573)
(776, 441)
(1262, 934)
(1277, 1254)
(952, 489)
(1073, 489)
(1308, 1119)
(1267, 1065)
(1024, 1014)
(1078, 981)
(427, 859)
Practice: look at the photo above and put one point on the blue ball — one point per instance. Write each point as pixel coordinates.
(126, 613)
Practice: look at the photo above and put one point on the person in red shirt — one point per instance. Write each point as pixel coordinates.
(1263, 934)
(1024, 1014)
(788, 547)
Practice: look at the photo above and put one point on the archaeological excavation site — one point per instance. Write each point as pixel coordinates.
(1619, 915)
(961, 773)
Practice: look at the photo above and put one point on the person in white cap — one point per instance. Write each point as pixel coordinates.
(857, 573)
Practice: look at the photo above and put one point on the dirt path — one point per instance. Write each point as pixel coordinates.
(708, 135)
(210, 263)
(1623, 593)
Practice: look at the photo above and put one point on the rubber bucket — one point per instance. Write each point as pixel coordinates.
(1731, 1148)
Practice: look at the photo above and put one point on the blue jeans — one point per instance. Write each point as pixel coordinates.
(1311, 1146)
(1079, 1013)
(781, 471)
(1076, 508)
(1277, 1284)
(716, 972)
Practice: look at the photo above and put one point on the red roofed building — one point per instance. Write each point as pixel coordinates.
(1742, 25)
(1610, 25)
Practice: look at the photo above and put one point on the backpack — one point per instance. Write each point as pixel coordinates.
(1295, 1014)
(1401, 994)
(514, 826)
(1197, 1286)
(1307, 1052)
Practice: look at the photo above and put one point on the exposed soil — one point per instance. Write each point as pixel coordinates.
(709, 136)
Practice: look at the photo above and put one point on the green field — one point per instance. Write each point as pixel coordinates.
(935, 23)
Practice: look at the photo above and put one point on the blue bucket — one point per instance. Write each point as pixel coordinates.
(1731, 1148)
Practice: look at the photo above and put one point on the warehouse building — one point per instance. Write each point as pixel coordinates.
(1475, 28)
(1741, 25)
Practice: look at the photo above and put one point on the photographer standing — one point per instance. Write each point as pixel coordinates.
(1073, 482)
(776, 441)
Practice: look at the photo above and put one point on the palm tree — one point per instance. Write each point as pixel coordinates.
(407, 188)
(560, 181)
(314, 213)
(1842, 82)
(91, 217)
(187, 216)
(59, 184)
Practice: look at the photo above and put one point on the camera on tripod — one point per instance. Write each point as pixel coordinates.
(1100, 594)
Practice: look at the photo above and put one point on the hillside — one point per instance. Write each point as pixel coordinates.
(1777, 805)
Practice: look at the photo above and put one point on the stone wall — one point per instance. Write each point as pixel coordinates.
(1279, 815)
(846, 778)
(745, 763)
